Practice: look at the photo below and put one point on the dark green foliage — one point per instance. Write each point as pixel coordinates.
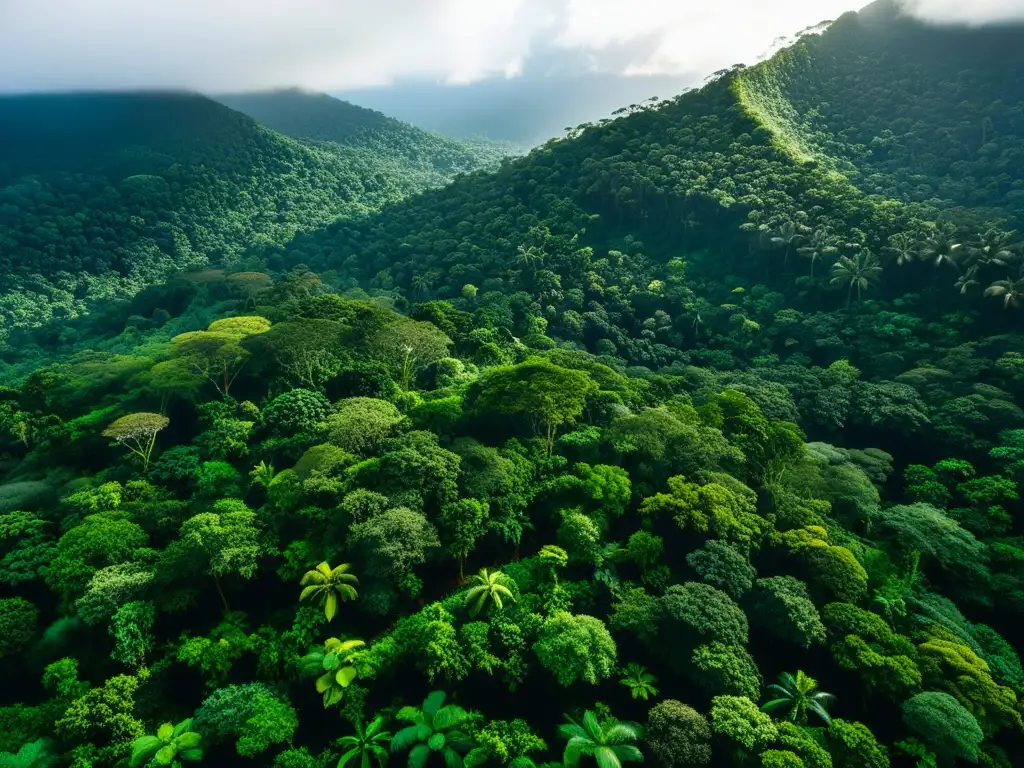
(18, 619)
(252, 716)
(944, 726)
(621, 381)
(678, 735)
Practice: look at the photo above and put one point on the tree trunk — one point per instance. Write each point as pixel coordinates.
(220, 592)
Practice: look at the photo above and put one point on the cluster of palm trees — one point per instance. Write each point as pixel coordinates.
(856, 268)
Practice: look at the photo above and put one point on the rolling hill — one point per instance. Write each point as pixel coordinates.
(103, 193)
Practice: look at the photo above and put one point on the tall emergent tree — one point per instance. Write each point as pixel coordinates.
(137, 432)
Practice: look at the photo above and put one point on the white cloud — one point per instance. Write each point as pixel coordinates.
(967, 11)
(218, 45)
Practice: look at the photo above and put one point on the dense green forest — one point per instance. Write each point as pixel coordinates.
(104, 194)
(693, 438)
(341, 126)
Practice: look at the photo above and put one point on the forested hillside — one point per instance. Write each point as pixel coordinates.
(333, 123)
(102, 194)
(692, 439)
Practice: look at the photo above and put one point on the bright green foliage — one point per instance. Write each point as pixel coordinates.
(701, 613)
(645, 549)
(433, 729)
(392, 542)
(608, 487)
(172, 745)
(864, 643)
(461, 524)
(33, 754)
(100, 540)
(18, 619)
(331, 585)
(408, 346)
(217, 354)
(359, 424)
(252, 715)
(726, 512)
(336, 667)
(132, 629)
(726, 669)
(487, 587)
(580, 536)
(944, 726)
(223, 541)
(576, 648)
(783, 605)
(537, 389)
(609, 742)
(368, 744)
(738, 718)
(723, 566)
(796, 696)
(777, 758)
(104, 717)
(804, 742)
(639, 681)
(137, 432)
(677, 735)
(955, 668)
(832, 567)
(110, 588)
(505, 743)
(298, 410)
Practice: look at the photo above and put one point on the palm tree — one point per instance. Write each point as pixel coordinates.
(33, 754)
(171, 745)
(484, 586)
(422, 284)
(903, 249)
(861, 273)
(433, 728)
(335, 663)
(966, 281)
(799, 695)
(367, 744)
(992, 248)
(639, 681)
(610, 743)
(939, 248)
(1012, 291)
(529, 256)
(787, 234)
(331, 584)
(820, 247)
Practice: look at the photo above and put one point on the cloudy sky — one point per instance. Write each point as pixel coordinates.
(218, 45)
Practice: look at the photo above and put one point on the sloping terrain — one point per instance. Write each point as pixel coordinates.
(102, 194)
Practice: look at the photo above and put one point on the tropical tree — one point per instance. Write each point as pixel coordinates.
(966, 281)
(799, 695)
(786, 235)
(332, 585)
(368, 743)
(639, 681)
(137, 432)
(1011, 291)
(335, 663)
(171, 745)
(903, 249)
(860, 273)
(993, 247)
(610, 743)
(433, 728)
(487, 586)
(939, 247)
(820, 247)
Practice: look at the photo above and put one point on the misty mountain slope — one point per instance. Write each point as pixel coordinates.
(904, 110)
(719, 178)
(333, 123)
(102, 194)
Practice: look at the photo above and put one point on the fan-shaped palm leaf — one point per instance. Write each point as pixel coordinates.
(487, 585)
